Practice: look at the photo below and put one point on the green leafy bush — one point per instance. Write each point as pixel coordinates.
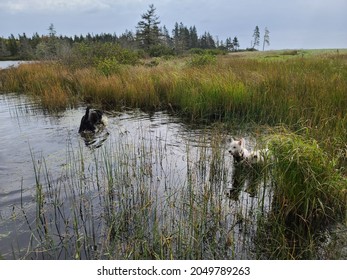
(108, 66)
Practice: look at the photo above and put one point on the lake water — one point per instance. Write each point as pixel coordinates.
(32, 138)
(10, 63)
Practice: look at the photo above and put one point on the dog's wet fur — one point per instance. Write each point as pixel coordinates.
(241, 154)
(91, 120)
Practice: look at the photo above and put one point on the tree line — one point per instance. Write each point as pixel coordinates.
(150, 39)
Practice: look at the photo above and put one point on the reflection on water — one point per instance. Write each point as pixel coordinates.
(25, 130)
(95, 140)
(169, 151)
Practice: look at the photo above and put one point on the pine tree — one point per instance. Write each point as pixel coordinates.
(52, 41)
(229, 44)
(13, 45)
(52, 32)
(148, 30)
(266, 39)
(3, 48)
(207, 42)
(181, 38)
(35, 40)
(193, 40)
(25, 50)
(184, 37)
(256, 37)
(235, 43)
(166, 39)
(175, 35)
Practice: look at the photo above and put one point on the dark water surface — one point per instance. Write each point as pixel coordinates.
(32, 138)
(164, 154)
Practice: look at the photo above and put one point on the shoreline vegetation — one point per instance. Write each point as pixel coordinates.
(305, 92)
(301, 96)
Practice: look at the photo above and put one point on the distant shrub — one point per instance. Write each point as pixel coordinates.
(290, 52)
(108, 66)
(160, 50)
(202, 60)
(197, 51)
(207, 51)
(216, 51)
(90, 54)
(251, 50)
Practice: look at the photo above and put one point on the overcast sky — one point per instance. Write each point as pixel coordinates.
(293, 24)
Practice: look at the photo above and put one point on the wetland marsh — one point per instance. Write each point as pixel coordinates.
(161, 184)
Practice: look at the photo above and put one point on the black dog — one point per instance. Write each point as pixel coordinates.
(91, 120)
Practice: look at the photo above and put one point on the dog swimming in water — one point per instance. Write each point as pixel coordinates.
(92, 120)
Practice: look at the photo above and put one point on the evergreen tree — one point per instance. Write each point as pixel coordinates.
(127, 40)
(229, 44)
(217, 42)
(184, 37)
(236, 44)
(25, 49)
(266, 39)
(12, 45)
(166, 39)
(176, 37)
(256, 37)
(52, 41)
(52, 32)
(193, 37)
(207, 42)
(3, 48)
(181, 38)
(147, 29)
(35, 40)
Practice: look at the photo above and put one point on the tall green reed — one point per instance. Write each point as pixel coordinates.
(298, 92)
(132, 199)
(309, 188)
(309, 195)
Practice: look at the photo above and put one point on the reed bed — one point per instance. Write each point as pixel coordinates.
(309, 195)
(310, 188)
(308, 92)
(301, 92)
(130, 200)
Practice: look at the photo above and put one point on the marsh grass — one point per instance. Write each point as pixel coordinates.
(309, 195)
(309, 188)
(131, 200)
(48, 82)
(301, 92)
(310, 90)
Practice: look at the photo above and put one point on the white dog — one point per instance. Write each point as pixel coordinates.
(241, 154)
(238, 150)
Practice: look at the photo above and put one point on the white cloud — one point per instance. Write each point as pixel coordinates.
(15, 6)
(292, 24)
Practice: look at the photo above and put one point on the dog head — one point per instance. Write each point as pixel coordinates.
(237, 148)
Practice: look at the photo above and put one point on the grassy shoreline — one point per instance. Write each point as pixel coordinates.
(302, 93)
